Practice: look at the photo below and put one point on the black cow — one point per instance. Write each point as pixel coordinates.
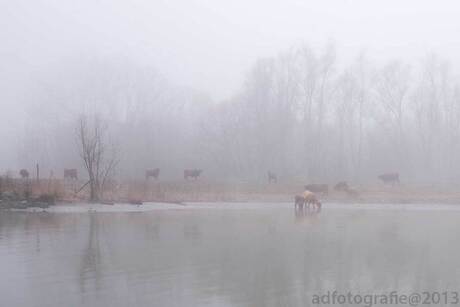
(24, 173)
(299, 201)
(193, 173)
(387, 178)
(152, 173)
(70, 173)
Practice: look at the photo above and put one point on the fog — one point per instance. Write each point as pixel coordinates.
(312, 91)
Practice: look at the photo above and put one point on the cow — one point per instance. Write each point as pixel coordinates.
(392, 178)
(272, 177)
(152, 173)
(341, 186)
(311, 200)
(194, 173)
(299, 202)
(318, 188)
(353, 193)
(70, 173)
(306, 200)
(24, 173)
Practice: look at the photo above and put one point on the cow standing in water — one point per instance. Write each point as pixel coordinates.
(387, 178)
(152, 173)
(193, 173)
(307, 199)
(272, 177)
(311, 200)
(299, 202)
(70, 173)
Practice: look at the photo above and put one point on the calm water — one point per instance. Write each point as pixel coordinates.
(256, 256)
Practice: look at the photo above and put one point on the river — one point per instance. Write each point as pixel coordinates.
(224, 254)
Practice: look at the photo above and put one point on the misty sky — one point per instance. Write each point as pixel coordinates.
(209, 44)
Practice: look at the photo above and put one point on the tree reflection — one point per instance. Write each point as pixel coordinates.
(90, 267)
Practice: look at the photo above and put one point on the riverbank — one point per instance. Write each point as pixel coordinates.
(179, 192)
(119, 208)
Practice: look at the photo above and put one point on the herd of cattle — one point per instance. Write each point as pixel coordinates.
(188, 173)
(309, 200)
(72, 173)
(387, 178)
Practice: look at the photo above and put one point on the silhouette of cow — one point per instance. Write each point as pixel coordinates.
(352, 193)
(152, 173)
(24, 173)
(193, 173)
(318, 188)
(70, 173)
(341, 186)
(392, 178)
(272, 177)
(299, 201)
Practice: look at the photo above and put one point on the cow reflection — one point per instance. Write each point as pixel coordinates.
(306, 205)
(307, 211)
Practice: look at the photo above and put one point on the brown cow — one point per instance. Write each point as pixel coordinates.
(311, 200)
(193, 173)
(318, 188)
(70, 173)
(392, 178)
(152, 173)
(24, 173)
(272, 177)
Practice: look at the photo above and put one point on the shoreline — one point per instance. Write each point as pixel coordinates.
(260, 206)
(179, 193)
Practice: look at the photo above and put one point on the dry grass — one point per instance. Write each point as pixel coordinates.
(200, 190)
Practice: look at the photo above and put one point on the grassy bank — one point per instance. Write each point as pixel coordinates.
(200, 191)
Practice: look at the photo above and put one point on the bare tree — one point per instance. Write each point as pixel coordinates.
(391, 88)
(99, 159)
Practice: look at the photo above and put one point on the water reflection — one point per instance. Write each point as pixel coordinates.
(257, 257)
(90, 267)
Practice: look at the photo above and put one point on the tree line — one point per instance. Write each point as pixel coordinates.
(302, 114)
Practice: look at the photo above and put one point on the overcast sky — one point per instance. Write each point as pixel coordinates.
(208, 44)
